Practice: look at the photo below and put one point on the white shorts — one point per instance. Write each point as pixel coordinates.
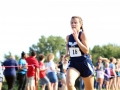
(100, 74)
(30, 81)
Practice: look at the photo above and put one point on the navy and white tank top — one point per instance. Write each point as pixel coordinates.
(74, 50)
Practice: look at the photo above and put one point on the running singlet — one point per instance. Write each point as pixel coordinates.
(78, 59)
(74, 49)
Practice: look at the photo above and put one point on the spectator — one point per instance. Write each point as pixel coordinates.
(107, 75)
(22, 72)
(65, 65)
(61, 75)
(51, 72)
(11, 66)
(33, 72)
(43, 78)
(1, 75)
(113, 74)
(118, 73)
(100, 72)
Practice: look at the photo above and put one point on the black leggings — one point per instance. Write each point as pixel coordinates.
(22, 78)
(10, 81)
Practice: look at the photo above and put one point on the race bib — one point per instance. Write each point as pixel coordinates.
(74, 52)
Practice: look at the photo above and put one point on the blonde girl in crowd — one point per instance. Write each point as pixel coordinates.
(100, 72)
(51, 72)
(107, 75)
(112, 83)
(118, 73)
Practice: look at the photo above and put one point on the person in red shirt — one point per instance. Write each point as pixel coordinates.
(42, 73)
(33, 72)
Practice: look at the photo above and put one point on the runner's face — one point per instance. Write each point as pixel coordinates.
(75, 24)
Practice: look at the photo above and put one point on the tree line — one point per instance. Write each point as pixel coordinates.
(57, 45)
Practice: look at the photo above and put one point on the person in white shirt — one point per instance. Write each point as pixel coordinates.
(51, 71)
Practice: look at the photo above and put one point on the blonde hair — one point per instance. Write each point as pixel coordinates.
(80, 20)
(100, 57)
(106, 63)
(12, 56)
(118, 61)
(50, 57)
(106, 60)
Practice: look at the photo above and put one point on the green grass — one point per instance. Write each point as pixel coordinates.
(5, 87)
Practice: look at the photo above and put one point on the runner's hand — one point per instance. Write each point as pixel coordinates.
(75, 34)
(66, 56)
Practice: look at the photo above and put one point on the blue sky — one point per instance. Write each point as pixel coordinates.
(22, 22)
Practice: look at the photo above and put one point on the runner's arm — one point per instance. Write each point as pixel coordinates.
(67, 50)
(83, 44)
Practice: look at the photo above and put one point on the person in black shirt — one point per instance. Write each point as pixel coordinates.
(61, 75)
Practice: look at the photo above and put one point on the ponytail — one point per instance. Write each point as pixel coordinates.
(82, 28)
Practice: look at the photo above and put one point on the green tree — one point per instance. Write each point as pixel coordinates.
(111, 50)
(53, 44)
(17, 57)
(107, 51)
(6, 56)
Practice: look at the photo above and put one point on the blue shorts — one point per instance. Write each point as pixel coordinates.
(44, 81)
(61, 76)
(1, 79)
(52, 77)
(106, 79)
(118, 74)
(85, 67)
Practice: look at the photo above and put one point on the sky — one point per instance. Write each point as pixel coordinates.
(22, 22)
